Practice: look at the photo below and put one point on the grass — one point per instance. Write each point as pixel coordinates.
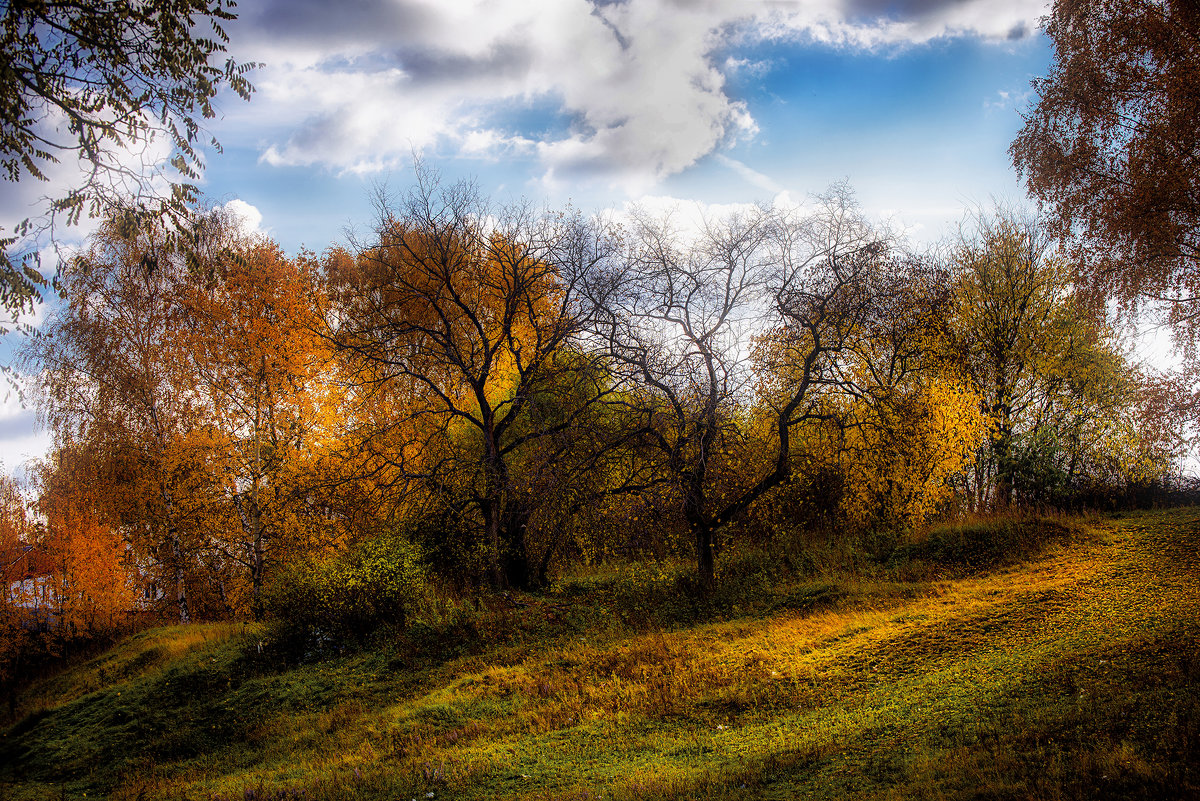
(952, 672)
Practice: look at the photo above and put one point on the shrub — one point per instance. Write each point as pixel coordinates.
(976, 545)
(344, 600)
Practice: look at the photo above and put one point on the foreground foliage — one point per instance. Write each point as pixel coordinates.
(1070, 674)
(1110, 148)
(85, 85)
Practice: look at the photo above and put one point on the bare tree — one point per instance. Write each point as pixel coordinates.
(682, 321)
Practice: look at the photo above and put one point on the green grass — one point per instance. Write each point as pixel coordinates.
(955, 671)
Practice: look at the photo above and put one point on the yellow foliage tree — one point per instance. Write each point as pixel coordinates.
(454, 317)
(902, 453)
(895, 421)
(1050, 373)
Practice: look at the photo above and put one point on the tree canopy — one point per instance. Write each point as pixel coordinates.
(1112, 150)
(478, 394)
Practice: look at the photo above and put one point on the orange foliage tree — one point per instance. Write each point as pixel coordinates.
(95, 585)
(908, 420)
(892, 421)
(248, 339)
(194, 376)
(17, 538)
(103, 362)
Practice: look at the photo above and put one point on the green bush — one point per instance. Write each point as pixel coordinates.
(347, 599)
(983, 544)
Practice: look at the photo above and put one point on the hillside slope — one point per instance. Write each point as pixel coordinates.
(1072, 675)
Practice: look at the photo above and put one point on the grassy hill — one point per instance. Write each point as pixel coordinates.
(953, 672)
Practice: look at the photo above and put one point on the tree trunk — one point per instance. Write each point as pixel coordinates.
(256, 579)
(253, 541)
(177, 555)
(505, 528)
(257, 560)
(491, 526)
(181, 600)
(705, 562)
(702, 526)
(1002, 444)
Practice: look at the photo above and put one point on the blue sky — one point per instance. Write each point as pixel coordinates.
(704, 103)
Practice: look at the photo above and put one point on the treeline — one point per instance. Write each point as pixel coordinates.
(475, 396)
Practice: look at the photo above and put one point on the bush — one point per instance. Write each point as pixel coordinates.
(977, 545)
(345, 600)
(451, 549)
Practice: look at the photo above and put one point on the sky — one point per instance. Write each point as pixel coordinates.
(691, 104)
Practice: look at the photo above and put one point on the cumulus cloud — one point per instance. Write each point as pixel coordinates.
(629, 91)
(883, 23)
(247, 214)
(136, 169)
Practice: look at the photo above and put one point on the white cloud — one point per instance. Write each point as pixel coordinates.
(689, 217)
(139, 168)
(756, 69)
(21, 440)
(249, 216)
(10, 403)
(16, 451)
(29, 317)
(1000, 101)
(635, 90)
(884, 23)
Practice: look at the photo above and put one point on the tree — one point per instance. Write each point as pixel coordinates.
(93, 590)
(908, 420)
(1113, 151)
(194, 373)
(457, 316)
(18, 560)
(1052, 379)
(95, 81)
(678, 322)
(248, 336)
(106, 385)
